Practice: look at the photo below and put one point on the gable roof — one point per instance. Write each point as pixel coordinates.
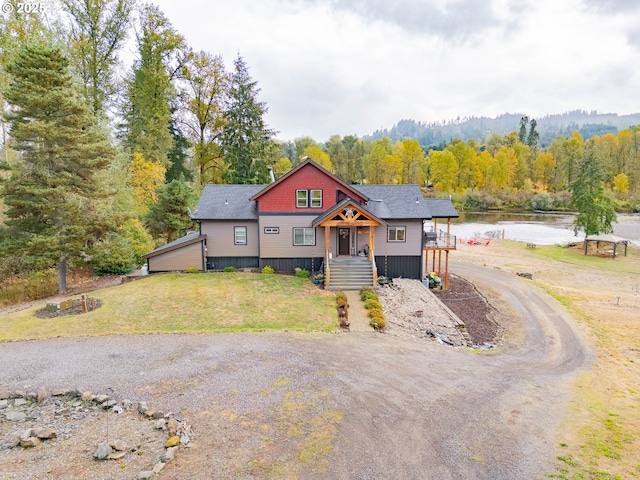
(188, 239)
(442, 208)
(227, 202)
(341, 205)
(349, 189)
(396, 201)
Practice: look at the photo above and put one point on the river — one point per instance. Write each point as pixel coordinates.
(539, 228)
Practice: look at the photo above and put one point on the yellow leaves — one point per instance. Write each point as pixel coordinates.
(314, 152)
(146, 177)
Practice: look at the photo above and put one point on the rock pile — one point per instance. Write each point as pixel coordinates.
(63, 404)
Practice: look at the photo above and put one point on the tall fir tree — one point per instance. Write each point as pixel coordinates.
(170, 215)
(50, 195)
(150, 91)
(246, 139)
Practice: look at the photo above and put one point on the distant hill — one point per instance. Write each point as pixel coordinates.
(438, 134)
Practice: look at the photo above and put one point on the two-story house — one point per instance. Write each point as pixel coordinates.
(309, 219)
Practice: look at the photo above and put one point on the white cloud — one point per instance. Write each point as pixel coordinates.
(349, 67)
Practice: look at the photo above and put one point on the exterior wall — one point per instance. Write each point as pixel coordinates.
(219, 263)
(189, 256)
(399, 266)
(289, 264)
(282, 198)
(220, 238)
(411, 246)
(280, 245)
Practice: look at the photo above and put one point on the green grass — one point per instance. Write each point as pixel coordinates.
(214, 302)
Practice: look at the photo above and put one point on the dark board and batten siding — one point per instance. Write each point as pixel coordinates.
(399, 266)
(290, 264)
(219, 263)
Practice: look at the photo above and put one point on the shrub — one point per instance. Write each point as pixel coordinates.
(543, 202)
(367, 293)
(268, 270)
(372, 304)
(192, 270)
(377, 319)
(302, 273)
(113, 256)
(230, 268)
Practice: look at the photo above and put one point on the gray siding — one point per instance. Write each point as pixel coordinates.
(220, 238)
(280, 245)
(219, 263)
(411, 246)
(183, 258)
(288, 265)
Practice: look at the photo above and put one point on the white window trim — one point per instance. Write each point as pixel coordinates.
(271, 230)
(306, 199)
(311, 199)
(396, 229)
(237, 230)
(304, 236)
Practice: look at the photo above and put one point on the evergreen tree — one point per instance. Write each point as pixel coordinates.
(246, 139)
(147, 113)
(50, 196)
(595, 209)
(170, 215)
(178, 156)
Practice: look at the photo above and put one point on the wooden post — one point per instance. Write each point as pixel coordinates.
(446, 270)
(371, 243)
(84, 303)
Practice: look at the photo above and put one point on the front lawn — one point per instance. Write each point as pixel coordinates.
(212, 302)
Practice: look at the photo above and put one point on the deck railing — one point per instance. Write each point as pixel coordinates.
(439, 239)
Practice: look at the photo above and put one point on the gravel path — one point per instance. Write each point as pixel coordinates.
(339, 406)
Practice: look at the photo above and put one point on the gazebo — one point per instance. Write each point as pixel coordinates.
(606, 238)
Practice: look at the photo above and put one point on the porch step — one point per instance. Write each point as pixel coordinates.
(350, 273)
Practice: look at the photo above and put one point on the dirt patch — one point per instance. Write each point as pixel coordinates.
(473, 309)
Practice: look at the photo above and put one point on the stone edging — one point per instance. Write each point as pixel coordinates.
(14, 404)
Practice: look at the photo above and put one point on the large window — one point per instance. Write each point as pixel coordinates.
(396, 234)
(240, 235)
(304, 236)
(309, 198)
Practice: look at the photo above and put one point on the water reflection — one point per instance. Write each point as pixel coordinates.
(542, 229)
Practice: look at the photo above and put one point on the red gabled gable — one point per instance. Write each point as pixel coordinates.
(280, 196)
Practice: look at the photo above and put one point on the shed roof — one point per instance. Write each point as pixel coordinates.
(188, 239)
(606, 238)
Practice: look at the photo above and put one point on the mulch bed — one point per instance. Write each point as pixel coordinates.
(472, 308)
(76, 309)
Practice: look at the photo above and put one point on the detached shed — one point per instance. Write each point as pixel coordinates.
(609, 240)
(179, 255)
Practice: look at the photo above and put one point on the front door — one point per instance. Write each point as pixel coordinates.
(344, 242)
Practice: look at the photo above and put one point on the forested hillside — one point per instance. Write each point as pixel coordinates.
(438, 134)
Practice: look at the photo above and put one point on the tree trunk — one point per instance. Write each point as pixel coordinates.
(62, 275)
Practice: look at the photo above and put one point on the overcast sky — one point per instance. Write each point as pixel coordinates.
(349, 67)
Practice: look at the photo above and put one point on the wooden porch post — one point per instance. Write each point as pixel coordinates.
(327, 269)
(371, 243)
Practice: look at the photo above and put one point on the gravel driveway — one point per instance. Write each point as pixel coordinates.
(271, 405)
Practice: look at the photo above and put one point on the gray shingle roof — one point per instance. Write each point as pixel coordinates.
(396, 201)
(227, 202)
(232, 202)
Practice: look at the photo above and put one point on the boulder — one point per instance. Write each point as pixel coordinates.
(145, 475)
(14, 416)
(45, 433)
(42, 395)
(172, 441)
(29, 442)
(103, 451)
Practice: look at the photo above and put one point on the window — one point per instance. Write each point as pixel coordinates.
(301, 199)
(304, 236)
(316, 198)
(309, 198)
(271, 229)
(395, 234)
(240, 235)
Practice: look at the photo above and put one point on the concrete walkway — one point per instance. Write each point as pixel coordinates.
(358, 318)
